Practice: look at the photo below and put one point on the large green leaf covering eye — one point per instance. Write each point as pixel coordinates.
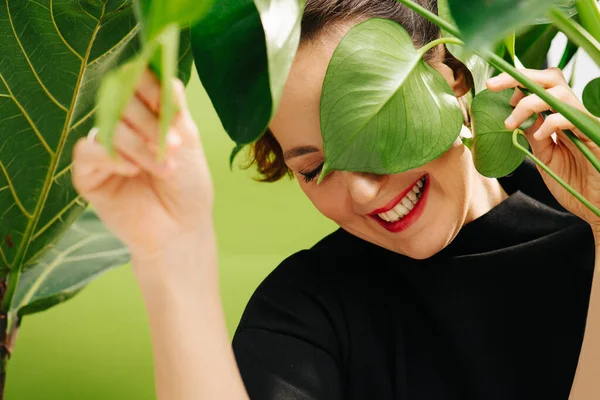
(493, 152)
(244, 50)
(383, 109)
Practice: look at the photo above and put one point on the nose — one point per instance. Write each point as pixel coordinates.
(363, 187)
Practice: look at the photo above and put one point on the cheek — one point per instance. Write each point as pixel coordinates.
(330, 199)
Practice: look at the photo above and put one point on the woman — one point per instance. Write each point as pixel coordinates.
(440, 284)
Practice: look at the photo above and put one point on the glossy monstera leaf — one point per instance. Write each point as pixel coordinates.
(591, 97)
(85, 252)
(483, 23)
(244, 50)
(493, 152)
(383, 109)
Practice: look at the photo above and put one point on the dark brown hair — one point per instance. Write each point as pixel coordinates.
(319, 15)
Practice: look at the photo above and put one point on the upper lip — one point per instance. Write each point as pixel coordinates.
(394, 202)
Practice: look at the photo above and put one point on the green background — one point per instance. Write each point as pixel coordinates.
(97, 346)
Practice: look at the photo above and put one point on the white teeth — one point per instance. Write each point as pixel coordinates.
(401, 210)
(405, 205)
(393, 215)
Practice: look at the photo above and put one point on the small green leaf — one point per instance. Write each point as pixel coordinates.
(156, 15)
(481, 71)
(243, 56)
(236, 150)
(493, 152)
(591, 97)
(485, 23)
(86, 251)
(383, 109)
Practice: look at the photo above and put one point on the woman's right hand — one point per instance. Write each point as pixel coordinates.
(147, 205)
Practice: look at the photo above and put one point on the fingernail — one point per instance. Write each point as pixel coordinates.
(537, 135)
(510, 122)
(173, 139)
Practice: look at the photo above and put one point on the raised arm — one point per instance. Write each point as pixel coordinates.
(163, 213)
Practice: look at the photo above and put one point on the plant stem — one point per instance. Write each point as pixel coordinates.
(4, 350)
(557, 178)
(439, 41)
(577, 34)
(588, 125)
(570, 50)
(442, 23)
(590, 16)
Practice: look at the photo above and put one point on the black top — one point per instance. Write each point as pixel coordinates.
(498, 314)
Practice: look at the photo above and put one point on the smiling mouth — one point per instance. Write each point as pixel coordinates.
(405, 209)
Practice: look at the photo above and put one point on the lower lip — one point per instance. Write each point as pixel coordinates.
(411, 217)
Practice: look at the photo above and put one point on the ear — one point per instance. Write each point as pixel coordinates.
(457, 75)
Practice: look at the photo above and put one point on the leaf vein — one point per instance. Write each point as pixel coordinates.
(14, 192)
(60, 35)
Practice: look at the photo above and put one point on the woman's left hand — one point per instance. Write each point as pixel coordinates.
(562, 156)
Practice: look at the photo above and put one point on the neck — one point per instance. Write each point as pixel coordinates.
(486, 193)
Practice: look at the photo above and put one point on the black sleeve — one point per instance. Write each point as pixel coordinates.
(286, 344)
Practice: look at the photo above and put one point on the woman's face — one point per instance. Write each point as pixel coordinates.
(425, 206)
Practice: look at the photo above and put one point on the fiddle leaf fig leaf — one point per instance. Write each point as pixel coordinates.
(244, 50)
(493, 152)
(85, 252)
(53, 58)
(591, 97)
(485, 23)
(383, 109)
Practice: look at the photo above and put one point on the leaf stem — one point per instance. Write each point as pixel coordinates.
(577, 34)
(439, 41)
(557, 178)
(439, 21)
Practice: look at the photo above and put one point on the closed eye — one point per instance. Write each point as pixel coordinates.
(311, 175)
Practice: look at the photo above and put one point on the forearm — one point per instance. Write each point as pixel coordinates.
(192, 352)
(586, 385)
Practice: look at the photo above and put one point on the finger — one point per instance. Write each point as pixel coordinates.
(148, 90)
(516, 97)
(142, 119)
(547, 78)
(532, 104)
(136, 149)
(179, 94)
(541, 148)
(92, 165)
(552, 124)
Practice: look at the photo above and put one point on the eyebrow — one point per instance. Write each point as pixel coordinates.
(299, 151)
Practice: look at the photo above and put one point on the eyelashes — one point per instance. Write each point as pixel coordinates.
(311, 175)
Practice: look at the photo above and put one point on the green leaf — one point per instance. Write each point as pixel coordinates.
(243, 57)
(168, 53)
(591, 97)
(493, 152)
(383, 109)
(85, 252)
(156, 15)
(483, 23)
(53, 56)
(532, 46)
(481, 71)
(568, 54)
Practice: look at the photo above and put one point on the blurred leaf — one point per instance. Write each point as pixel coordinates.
(481, 71)
(589, 14)
(568, 8)
(532, 46)
(156, 15)
(168, 54)
(493, 152)
(483, 23)
(85, 252)
(568, 54)
(384, 114)
(591, 97)
(52, 60)
(244, 51)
